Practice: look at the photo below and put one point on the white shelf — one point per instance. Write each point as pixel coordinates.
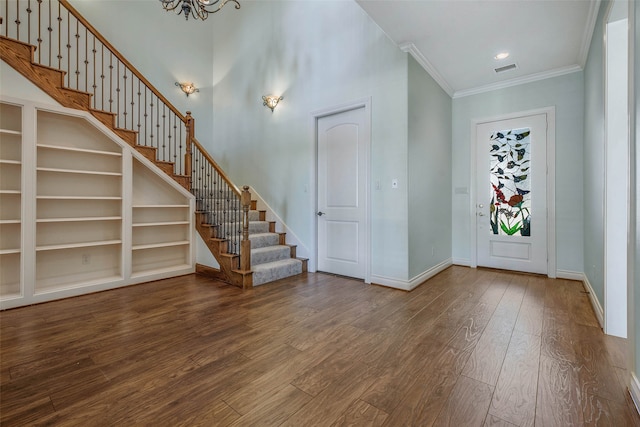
(78, 198)
(10, 162)
(10, 221)
(159, 206)
(10, 132)
(79, 150)
(95, 218)
(83, 172)
(153, 224)
(10, 192)
(78, 245)
(160, 245)
(9, 251)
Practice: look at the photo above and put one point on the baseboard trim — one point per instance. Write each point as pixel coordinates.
(570, 275)
(634, 391)
(597, 308)
(408, 285)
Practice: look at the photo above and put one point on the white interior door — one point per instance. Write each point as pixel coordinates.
(511, 194)
(343, 139)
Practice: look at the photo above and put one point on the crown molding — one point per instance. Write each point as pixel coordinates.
(429, 68)
(518, 81)
(589, 28)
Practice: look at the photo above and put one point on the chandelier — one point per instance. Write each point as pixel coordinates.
(199, 9)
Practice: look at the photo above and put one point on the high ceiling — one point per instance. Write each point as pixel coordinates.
(457, 40)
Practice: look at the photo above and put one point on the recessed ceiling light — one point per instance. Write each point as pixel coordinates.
(501, 55)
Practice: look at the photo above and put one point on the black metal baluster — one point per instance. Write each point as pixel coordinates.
(39, 31)
(110, 82)
(118, 93)
(29, 22)
(17, 20)
(124, 83)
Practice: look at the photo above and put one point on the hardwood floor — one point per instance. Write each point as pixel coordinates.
(467, 348)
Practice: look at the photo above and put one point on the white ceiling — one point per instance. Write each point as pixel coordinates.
(456, 40)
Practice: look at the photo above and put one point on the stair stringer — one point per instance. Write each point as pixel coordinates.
(229, 263)
(19, 55)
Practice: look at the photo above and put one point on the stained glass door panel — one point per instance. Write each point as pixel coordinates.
(510, 169)
(511, 194)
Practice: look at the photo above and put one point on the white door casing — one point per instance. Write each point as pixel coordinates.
(342, 175)
(511, 212)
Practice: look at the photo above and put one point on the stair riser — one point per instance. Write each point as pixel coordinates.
(276, 254)
(264, 241)
(261, 277)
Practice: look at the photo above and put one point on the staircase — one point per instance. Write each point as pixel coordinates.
(271, 258)
(246, 246)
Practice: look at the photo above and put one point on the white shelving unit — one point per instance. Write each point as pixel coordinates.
(78, 204)
(10, 200)
(161, 225)
(82, 211)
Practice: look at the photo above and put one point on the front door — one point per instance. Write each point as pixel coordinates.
(343, 140)
(511, 194)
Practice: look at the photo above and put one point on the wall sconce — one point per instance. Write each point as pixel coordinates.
(187, 88)
(271, 101)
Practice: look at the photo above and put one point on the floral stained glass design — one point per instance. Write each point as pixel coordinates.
(510, 182)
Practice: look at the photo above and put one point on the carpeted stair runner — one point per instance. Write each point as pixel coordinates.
(270, 261)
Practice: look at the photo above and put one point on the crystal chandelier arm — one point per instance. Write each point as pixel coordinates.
(198, 9)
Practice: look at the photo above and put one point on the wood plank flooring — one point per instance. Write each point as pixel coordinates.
(470, 347)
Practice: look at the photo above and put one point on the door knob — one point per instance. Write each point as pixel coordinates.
(481, 206)
(480, 214)
(320, 213)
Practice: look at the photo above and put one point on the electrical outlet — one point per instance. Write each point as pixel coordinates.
(86, 259)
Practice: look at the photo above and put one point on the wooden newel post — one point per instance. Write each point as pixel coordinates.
(245, 245)
(189, 124)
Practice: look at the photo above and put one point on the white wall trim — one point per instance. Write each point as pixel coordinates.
(597, 308)
(281, 226)
(634, 391)
(551, 182)
(570, 275)
(408, 285)
(313, 179)
(518, 81)
(428, 67)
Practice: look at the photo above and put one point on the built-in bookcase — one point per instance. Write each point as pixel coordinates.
(78, 204)
(102, 216)
(161, 224)
(10, 200)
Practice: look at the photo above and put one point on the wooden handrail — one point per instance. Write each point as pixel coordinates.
(121, 57)
(224, 176)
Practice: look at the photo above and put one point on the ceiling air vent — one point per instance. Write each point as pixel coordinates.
(505, 68)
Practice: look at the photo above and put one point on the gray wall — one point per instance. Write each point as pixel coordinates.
(317, 54)
(566, 94)
(594, 146)
(429, 172)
